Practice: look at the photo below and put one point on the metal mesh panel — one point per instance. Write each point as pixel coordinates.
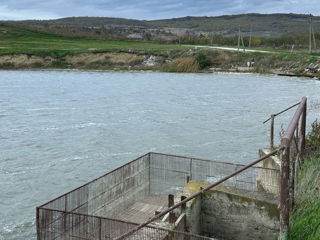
(168, 173)
(119, 184)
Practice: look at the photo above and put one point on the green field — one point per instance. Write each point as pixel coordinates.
(16, 39)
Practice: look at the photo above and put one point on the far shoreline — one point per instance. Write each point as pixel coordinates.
(157, 71)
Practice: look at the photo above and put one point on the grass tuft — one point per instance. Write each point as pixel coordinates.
(187, 64)
(305, 218)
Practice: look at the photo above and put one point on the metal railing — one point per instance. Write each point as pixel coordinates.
(154, 174)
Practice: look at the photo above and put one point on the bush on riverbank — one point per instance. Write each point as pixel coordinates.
(203, 60)
(305, 218)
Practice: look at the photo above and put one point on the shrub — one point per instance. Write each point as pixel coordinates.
(203, 60)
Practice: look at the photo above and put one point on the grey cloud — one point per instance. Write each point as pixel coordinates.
(152, 9)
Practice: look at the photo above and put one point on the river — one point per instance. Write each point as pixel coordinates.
(59, 129)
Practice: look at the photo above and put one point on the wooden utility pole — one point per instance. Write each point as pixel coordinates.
(250, 36)
(314, 39)
(212, 38)
(244, 48)
(310, 33)
(239, 33)
(240, 40)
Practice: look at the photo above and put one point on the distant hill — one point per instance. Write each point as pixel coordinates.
(268, 25)
(87, 22)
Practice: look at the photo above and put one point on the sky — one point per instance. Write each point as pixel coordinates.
(148, 9)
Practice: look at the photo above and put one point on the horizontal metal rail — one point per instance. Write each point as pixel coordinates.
(204, 160)
(282, 112)
(197, 194)
(285, 140)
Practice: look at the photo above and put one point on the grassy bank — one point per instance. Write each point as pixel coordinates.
(305, 219)
(24, 48)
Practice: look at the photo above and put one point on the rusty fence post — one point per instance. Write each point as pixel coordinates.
(170, 200)
(184, 205)
(190, 175)
(284, 190)
(188, 179)
(271, 130)
(100, 229)
(172, 217)
(38, 223)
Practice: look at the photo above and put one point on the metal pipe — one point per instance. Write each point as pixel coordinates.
(303, 130)
(196, 194)
(199, 159)
(271, 131)
(284, 194)
(285, 141)
(38, 223)
(282, 112)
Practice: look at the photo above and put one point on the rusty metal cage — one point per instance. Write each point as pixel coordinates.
(110, 205)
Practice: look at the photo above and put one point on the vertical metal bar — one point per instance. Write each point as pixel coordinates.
(172, 217)
(271, 131)
(149, 174)
(292, 178)
(293, 167)
(190, 169)
(188, 179)
(65, 215)
(284, 193)
(170, 200)
(38, 223)
(100, 229)
(303, 130)
(184, 205)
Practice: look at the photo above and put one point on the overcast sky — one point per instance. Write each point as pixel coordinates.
(148, 9)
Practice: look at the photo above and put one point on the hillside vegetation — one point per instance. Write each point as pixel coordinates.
(271, 25)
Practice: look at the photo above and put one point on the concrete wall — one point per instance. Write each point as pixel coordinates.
(193, 216)
(229, 213)
(230, 216)
(269, 180)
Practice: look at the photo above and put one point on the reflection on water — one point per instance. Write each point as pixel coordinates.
(60, 129)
